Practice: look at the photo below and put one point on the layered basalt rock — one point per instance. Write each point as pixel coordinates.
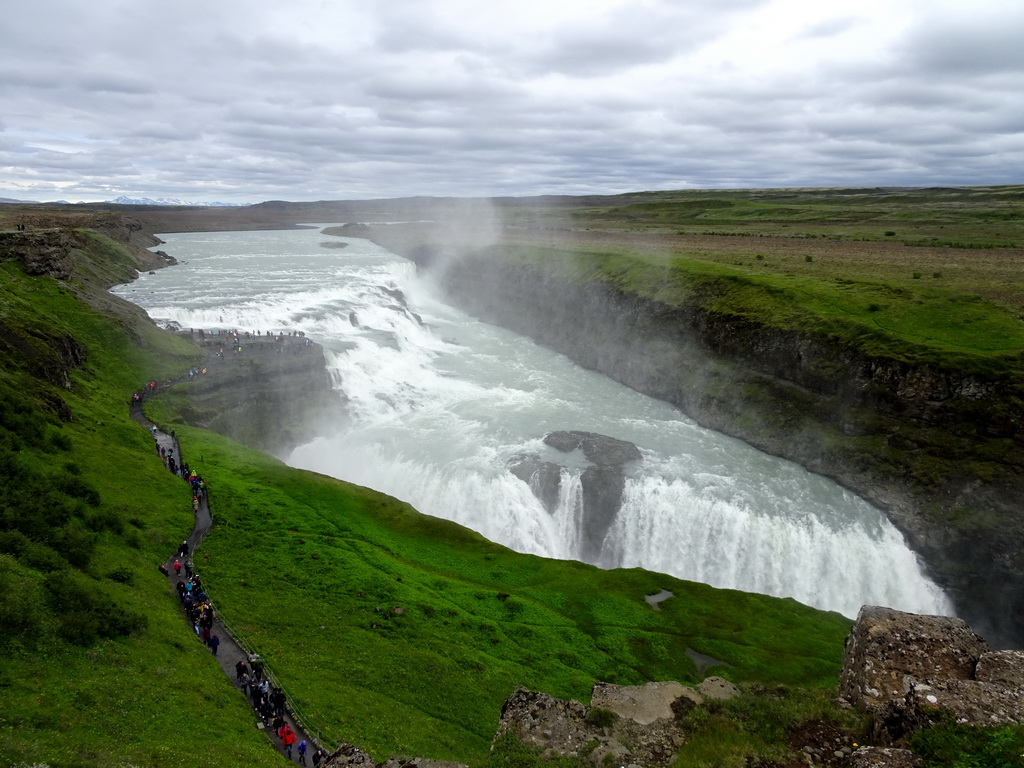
(41, 252)
(272, 396)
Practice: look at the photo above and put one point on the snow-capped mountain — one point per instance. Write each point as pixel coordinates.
(124, 200)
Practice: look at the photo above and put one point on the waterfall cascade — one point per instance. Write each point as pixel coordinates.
(442, 408)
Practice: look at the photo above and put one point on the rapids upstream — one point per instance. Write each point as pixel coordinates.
(439, 405)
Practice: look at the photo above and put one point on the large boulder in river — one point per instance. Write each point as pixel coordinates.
(602, 482)
(599, 449)
(543, 477)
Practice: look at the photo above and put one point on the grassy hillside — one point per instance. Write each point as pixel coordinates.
(326, 564)
(96, 665)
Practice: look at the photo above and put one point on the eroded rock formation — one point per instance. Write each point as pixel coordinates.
(41, 252)
(602, 484)
(911, 671)
(270, 396)
(624, 725)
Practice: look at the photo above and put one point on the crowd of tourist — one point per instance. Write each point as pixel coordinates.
(267, 700)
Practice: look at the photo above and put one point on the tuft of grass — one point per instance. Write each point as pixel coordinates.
(756, 726)
(948, 745)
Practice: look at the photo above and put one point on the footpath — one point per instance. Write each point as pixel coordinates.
(270, 706)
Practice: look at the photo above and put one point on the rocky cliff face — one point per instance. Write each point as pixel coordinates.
(602, 482)
(886, 429)
(43, 252)
(270, 396)
(912, 671)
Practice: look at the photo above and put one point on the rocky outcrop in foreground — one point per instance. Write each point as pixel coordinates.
(913, 671)
(908, 671)
(624, 725)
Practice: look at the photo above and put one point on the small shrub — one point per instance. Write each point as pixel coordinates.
(601, 718)
(13, 542)
(936, 274)
(42, 558)
(890, 233)
(874, 307)
(917, 275)
(808, 258)
(59, 440)
(105, 520)
(87, 611)
(122, 575)
(79, 627)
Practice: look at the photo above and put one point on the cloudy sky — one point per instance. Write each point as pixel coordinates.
(332, 99)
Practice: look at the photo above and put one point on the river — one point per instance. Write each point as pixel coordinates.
(440, 403)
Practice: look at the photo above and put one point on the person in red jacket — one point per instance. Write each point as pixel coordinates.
(287, 739)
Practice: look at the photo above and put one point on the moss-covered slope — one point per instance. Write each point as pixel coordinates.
(96, 666)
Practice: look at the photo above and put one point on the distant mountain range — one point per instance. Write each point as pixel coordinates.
(123, 200)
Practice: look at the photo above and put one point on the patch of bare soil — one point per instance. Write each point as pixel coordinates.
(822, 743)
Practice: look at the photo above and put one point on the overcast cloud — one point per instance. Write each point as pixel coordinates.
(333, 99)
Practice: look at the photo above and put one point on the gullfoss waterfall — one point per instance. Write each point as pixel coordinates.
(441, 407)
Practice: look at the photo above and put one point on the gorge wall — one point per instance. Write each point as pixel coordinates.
(939, 450)
(272, 395)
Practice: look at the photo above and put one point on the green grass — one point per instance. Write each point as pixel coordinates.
(913, 323)
(948, 745)
(966, 217)
(326, 562)
(757, 724)
(97, 666)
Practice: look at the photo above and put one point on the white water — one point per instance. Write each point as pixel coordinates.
(438, 409)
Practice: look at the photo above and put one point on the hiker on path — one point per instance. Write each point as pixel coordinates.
(302, 752)
(287, 739)
(318, 757)
(256, 662)
(278, 698)
(177, 568)
(214, 644)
